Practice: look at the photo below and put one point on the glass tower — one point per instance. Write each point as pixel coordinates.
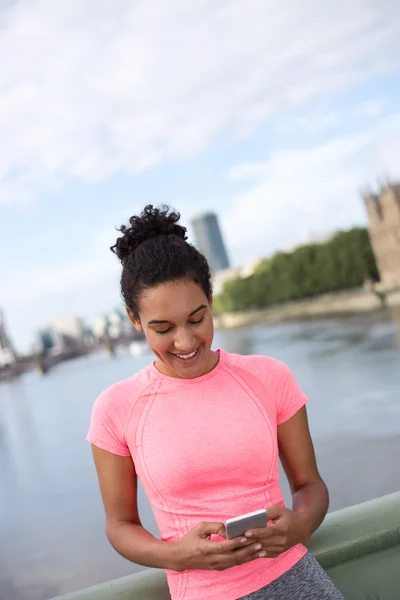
(209, 241)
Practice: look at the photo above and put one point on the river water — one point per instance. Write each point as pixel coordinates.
(51, 517)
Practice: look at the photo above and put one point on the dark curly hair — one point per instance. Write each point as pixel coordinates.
(154, 250)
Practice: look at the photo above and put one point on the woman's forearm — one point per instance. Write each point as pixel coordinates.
(138, 545)
(312, 501)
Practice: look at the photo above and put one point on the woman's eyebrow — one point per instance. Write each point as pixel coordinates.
(161, 321)
(197, 310)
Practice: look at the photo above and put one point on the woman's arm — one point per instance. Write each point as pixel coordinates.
(118, 487)
(296, 451)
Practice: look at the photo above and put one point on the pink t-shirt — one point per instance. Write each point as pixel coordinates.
(205, 449)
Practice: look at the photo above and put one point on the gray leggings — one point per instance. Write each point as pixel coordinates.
(305, 581)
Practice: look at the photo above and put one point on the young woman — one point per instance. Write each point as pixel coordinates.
(203, 430)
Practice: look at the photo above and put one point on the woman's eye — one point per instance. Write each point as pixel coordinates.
(197, 322)
(162, 332)
(169, 328)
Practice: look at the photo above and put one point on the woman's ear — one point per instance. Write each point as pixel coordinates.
(135, 321)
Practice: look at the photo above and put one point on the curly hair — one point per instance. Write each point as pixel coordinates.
(154, 250)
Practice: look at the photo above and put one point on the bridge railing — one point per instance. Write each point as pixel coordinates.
(358, 546)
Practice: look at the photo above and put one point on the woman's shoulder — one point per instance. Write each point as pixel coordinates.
(124, 392)
(275, 376)
(111, 410)
(255, 363)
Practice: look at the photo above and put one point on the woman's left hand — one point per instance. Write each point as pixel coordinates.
(288, 529)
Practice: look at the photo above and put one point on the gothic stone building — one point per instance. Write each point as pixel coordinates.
(7, 354)
(384, 230)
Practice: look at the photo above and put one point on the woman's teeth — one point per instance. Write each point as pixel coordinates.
(186, 356)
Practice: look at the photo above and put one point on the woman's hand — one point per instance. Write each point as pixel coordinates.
(288, 529)
(196, 550)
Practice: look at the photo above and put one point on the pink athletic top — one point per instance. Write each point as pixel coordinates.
(205, 449)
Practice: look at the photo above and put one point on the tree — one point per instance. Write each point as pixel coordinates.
(346, 261)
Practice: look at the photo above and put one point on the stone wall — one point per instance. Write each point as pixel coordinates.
(339, 303)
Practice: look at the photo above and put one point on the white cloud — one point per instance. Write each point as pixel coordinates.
(91, 87)
(59, 286)
(308, 191)
(86, 287)
(25, 287)
(320, 120)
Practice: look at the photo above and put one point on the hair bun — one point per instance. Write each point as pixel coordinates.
(151, 223)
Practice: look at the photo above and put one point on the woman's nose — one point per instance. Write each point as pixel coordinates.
(184, 341)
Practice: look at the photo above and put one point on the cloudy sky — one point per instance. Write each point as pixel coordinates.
(274, 113)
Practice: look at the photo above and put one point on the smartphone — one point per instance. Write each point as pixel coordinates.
(239, 525)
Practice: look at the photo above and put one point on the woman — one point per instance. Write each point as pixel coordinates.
(202, 430)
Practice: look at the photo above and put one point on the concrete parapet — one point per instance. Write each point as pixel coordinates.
(359, 547)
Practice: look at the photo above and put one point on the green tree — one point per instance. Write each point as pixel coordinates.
(346, 261)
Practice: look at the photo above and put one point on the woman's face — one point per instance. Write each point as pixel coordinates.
(176, 319)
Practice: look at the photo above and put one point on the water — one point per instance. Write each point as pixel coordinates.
(51, 517)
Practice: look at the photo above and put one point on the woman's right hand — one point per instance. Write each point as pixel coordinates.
(196, 550)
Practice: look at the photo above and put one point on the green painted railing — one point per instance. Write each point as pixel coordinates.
(359, 547)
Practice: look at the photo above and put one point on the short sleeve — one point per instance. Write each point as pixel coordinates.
(107, 424)
(288, 395)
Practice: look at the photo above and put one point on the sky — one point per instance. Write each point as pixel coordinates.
(274, 114)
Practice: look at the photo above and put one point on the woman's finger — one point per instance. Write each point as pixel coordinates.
(226, 546)
(261, 533)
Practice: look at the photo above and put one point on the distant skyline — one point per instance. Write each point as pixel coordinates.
(272, 114)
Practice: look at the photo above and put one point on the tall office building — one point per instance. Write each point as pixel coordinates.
(209, 241)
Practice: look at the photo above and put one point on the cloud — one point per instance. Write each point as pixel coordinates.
(93, 87)
(303, 192)
(321, 120)
(98, 265)
(31, 297)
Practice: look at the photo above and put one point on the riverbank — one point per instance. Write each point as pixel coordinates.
(349, 302)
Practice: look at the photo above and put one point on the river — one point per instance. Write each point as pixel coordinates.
(51, 517)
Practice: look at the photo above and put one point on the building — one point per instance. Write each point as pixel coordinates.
(209, 241)
(384, 229)
(251, 267)
(48, 342)
(64, 334)
(112, 326)
(221, 277)
(100, 328)
(69, 326)
(7, 354)
(118, 324)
